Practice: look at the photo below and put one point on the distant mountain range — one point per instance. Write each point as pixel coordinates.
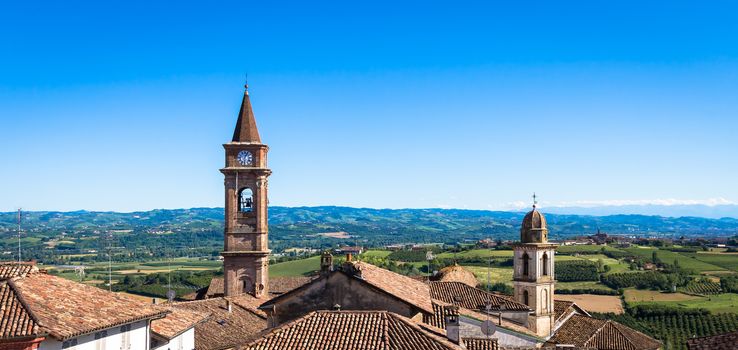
(307, 226)
(677, 210)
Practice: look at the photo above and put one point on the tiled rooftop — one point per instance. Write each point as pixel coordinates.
(177, 322)
(727, 341)
(355, 330)
(17, 321)
(224, 329)
(413, 291)
(67, 309)
(480, 344)
(471, 298)
(277, 285)
(12, 269)
(583, 331)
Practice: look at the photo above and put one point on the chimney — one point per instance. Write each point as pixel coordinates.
(349, 257)
(229, 305)
(326, 262)
(453, 328)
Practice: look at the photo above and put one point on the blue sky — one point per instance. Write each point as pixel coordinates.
(125, 105)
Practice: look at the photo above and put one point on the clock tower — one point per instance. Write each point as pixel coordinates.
(246, 251)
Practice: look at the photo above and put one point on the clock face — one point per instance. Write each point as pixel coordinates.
(245, 158)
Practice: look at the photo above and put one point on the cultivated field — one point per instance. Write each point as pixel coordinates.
(595, 303)
(295, 267)
(496, 274)
(635, 295)
(669, 257)
(477, 253)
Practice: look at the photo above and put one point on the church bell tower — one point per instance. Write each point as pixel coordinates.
(533, 272)
(246, 251)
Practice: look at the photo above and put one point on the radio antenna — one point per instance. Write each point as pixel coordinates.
(19, 236)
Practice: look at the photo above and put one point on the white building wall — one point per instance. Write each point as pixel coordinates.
(471, 328)
(114, 338)
(184, 341)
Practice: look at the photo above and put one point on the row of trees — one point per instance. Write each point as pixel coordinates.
(646, 280)
(577, 270)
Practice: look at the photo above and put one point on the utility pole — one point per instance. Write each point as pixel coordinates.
(109, 238)
(19, 236)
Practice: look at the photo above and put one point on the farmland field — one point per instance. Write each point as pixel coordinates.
(573, 249)
(376, 253)
(724, 260)
(477, 253)
(582, 285)
(496, 274)
(595, 303)
(635, 295)
(295, 267)
(669, 257)
(720, 303)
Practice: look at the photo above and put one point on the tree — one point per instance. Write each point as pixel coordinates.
(655, 258)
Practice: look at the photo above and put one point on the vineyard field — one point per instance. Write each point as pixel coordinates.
(702, 287)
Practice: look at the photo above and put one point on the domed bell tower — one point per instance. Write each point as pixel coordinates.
(533, 272)
(246, 251)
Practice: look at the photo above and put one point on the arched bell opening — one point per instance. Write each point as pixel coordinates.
(245, 200)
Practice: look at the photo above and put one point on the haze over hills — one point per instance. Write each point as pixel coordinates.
(304, 226)
(675, 210)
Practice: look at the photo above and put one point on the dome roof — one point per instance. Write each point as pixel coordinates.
(457, 273)
(534, 228)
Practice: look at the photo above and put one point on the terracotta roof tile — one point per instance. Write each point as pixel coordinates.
(216, 288)
(727, 341)
(67, 309)
(12, 269)
(402, 287)
(586, 331)
(480, 344)
(471, 298)
(17, 321)
(284, 284)
(355, 330)
(277, 285)
(223, 329)
(177, 322)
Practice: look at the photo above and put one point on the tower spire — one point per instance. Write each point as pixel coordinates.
(246, 130)
(535, 200)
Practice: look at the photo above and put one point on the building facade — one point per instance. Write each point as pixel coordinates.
(246, 250)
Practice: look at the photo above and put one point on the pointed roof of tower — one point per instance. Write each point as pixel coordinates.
(246, 130)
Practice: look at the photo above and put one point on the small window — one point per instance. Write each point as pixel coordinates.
(525, 264)
(525, 297)
(545, 264)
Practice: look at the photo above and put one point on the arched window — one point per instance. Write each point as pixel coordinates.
(247, 285)
(525, 297)
(545, 264)
(245, 200)
(526, 260)
(544, 300)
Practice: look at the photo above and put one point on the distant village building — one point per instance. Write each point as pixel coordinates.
(349, 250)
